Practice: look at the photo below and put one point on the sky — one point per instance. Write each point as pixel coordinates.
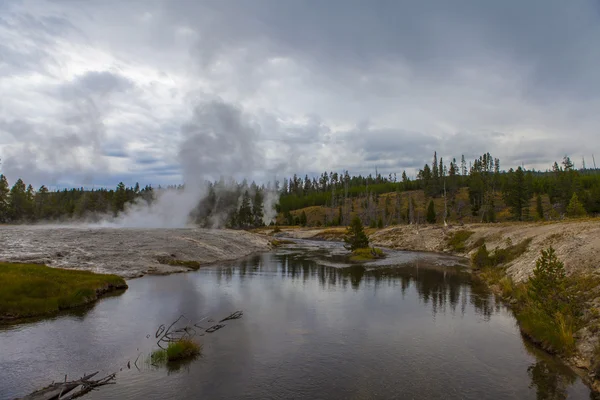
(164, 92)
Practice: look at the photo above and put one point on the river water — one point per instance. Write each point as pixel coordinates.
(413, 327)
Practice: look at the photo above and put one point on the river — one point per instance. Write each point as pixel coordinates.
(414, 326)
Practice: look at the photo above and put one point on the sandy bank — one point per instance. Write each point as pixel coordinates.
(125, 252)
(577, 243)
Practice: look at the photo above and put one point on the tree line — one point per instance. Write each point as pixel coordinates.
(231, 204)
(570, 191)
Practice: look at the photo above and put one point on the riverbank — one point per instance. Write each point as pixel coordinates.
(515, 248)
(30, 290)
(125, 252)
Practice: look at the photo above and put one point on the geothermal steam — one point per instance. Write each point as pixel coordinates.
(219, 140)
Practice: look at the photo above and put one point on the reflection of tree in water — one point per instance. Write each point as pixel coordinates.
(549, 377)
(438, 286)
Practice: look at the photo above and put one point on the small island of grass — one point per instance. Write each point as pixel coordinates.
(366, 254)
(358, 243)
(31, 290)
(180, 350)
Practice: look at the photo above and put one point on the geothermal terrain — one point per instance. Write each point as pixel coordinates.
(127, 252)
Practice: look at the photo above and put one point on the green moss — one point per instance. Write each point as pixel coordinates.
(366, 254)
(195, 265)
(180, 350)
(30, 290)
(457, 241)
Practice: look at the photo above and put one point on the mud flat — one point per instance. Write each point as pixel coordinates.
(126, 252)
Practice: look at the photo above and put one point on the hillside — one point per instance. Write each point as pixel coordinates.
(393, 208)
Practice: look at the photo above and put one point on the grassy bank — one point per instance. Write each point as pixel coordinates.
(553, 310)
(30, 290)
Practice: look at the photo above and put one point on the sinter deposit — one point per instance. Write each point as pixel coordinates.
(128, 252)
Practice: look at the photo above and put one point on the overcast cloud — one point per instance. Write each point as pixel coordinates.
(95, 92)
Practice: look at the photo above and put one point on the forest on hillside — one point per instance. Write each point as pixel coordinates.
(441, 192)
(444, 192)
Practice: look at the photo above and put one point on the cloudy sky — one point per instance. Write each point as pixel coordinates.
(95, 92)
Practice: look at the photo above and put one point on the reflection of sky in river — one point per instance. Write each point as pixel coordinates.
(308, 331)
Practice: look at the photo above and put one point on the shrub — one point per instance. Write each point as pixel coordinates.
(458, 240)
(481, 258)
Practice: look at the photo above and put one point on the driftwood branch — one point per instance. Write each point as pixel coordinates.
(60, 391)
(164, 336)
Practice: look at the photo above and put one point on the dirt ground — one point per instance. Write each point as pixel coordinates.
(577, 243)
(126, 252)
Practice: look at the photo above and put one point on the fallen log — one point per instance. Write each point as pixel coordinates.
(60, 391)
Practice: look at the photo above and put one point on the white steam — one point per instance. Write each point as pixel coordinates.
(219, 140)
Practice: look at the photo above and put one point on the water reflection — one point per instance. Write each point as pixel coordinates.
(417, 330)
(440, 287)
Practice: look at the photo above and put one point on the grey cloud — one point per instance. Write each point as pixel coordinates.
(517, 79)
(102, 82)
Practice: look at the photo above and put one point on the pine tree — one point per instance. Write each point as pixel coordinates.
(244, 218)
(4, 199)
(303, 219)
(547, 285)
(355, 236)
(431, 213)
(120, 198)
(516, 194)
(539, 208)
(575, 208)
(257, 209)
(18, 201)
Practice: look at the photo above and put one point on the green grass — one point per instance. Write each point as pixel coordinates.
(366, 254)
(553, 333)
(30, 290)
(195, 265)
(281, 242)
(180, 350)
(457, 241)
